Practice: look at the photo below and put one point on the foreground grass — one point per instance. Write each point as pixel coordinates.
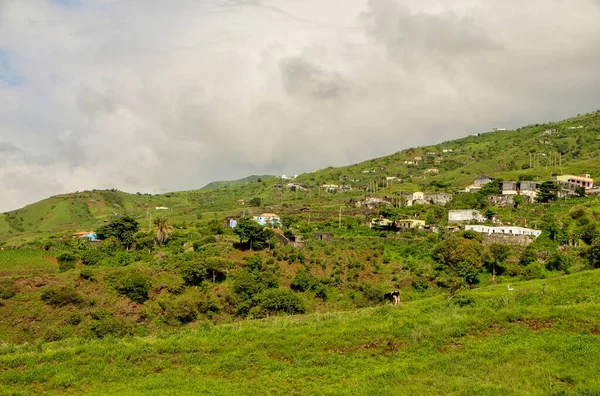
(541, 338)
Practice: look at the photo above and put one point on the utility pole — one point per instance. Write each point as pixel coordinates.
(340, 218)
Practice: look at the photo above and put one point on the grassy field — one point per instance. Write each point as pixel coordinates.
(540, 338)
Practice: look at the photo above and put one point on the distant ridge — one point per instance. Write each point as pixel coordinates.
(237, 183)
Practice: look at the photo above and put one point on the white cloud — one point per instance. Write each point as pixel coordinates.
(142, 95)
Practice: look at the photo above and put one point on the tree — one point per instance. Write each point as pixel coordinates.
(123, 229)
(548, 192)
(257, 237)
(593, 255)
(498, 254)
(163, 229)
(518, 200)
(461, 258)
(580, 191)
(217, 267)
(256, 201)
(528, 256)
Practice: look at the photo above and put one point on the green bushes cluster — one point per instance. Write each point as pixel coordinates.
(60, 296)
(66, 261)
(8, 289)
(132, 284)
(111, 326)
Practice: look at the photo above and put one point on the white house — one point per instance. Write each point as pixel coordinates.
(268, 219)
(457, 216)
(503, 230)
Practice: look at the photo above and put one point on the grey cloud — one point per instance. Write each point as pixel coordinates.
(92, 103)
(154, 95)
(408, 35)
(301, 77)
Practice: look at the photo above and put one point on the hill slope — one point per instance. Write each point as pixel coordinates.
(535, 152)
(239, 182)
(540, 338)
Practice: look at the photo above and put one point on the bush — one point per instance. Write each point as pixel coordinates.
(462, 300)
(61, 296)
(66, 261)
(528, 256)
(420, 285)
(534, 271)
(372, 294)
(54, 334)
(132, 284)
(75, 318)
(321, 292)
(122, 259)
(194, 272)
(7, 289)
(274, 301)
(111, 326)
(303, 281)
(86, 274)
(181, 310)
(91, 257)
(558, 262)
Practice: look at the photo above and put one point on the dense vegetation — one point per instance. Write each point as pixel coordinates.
(167, 267)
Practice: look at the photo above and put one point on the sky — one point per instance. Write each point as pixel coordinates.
(154, 95)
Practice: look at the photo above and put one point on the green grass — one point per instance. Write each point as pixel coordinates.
(26, 262)
(541, 338)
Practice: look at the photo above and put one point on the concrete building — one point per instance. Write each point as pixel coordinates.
(482, 180)
(572, 181)
(459, 216)
(529, 188)
(420, 198)
(510, 188)
(487, 230)
(410, 224)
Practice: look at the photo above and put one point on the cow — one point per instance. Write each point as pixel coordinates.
(393, 297)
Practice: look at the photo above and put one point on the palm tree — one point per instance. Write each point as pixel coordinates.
(163, 229)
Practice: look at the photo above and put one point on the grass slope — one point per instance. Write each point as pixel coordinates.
(540, 338)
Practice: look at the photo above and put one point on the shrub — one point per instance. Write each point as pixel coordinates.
(66, 261)
(86, 274)
(75, 318)
(274, 301)
(61, 296)
(7, 289)
(372, 294)
(132, 284)
(534, 271)
(462, 300)
(194, 272)
(111, 326)
(122, 259)
(321, 292)
(558, 262)
(420, 284)
(528, 256)
(91, 257)
(303, 281)
(181, 310)
(54, 334)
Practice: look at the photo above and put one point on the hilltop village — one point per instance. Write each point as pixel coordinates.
(498, 193)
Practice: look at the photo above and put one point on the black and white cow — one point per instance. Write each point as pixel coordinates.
(393, 297)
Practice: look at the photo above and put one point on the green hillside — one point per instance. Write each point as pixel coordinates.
(240, 182)
(171, 300)
(539, 338)
(533, 152)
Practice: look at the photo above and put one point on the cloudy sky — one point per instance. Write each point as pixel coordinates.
(145, 95)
